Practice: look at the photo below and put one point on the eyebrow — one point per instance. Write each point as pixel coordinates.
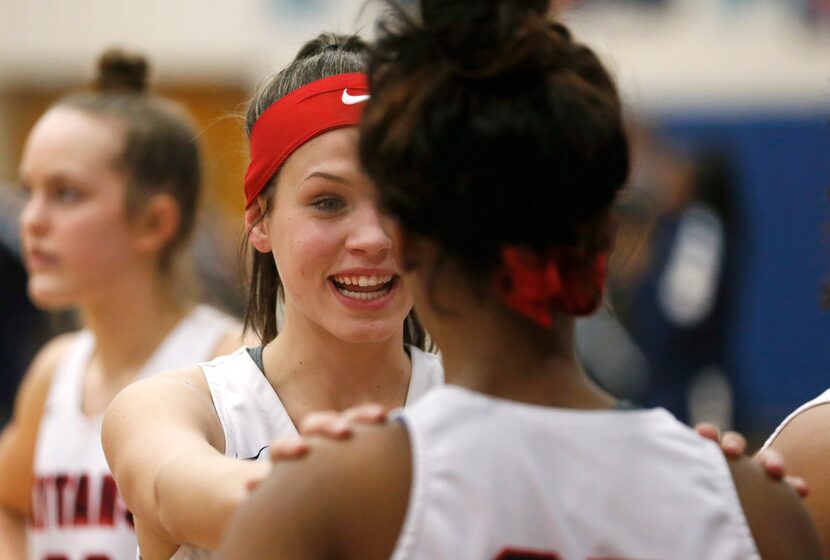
(327, 176)
(58, 178)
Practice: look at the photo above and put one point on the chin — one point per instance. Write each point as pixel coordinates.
(49, 298)
(369, 334)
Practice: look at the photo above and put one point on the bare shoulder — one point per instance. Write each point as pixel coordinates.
(779, 522)
(175, 389)
(19, 436)
(805, 444)
(806, 434)
(344, 500)
(190, 376)
(178, 398)
(39, 376)
(34, 389)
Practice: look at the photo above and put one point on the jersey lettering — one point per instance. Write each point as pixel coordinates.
(64, 500)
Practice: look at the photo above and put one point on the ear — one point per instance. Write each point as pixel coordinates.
(257, 226)
(156, 223)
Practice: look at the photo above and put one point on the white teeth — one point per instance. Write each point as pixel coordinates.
(363, 281)
(365, 296)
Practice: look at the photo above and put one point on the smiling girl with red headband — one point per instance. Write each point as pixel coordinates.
(182, 446)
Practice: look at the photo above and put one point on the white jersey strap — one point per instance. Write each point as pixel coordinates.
(823, 398)
(67, 383)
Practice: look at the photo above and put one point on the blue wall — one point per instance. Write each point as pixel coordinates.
(781, 338)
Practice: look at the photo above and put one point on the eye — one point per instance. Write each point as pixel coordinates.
(328, 204)
(67, 194)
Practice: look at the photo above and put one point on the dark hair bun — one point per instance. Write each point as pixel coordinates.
(476, 33)
(121, 71)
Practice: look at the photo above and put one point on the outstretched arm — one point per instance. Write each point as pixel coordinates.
(164, 445)
(345, 500)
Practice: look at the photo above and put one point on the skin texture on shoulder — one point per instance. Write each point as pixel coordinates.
(164, 444)
(17, 446)
(805, 444)
(780, 524)
(344, 500)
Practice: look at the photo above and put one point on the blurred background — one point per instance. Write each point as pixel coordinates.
(717, 280)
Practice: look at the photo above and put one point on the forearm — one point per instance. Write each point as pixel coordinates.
(12, 535)
(197, 497)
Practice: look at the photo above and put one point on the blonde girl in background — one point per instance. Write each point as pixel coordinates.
(112, 179)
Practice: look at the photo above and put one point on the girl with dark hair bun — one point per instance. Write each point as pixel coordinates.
(112, 180)
(497, 145)
(346, 335)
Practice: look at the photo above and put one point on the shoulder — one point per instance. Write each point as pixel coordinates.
(18, 438)
(350, 497)
(177, 399)
(38, 379)
(780, 525)
(181, 389)
(805, 444)
(808, 426)
(170, 385)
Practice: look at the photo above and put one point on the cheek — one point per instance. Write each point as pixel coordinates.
(95, 239)
(304, 253)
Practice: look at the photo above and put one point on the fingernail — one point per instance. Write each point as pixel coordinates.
(339, 426)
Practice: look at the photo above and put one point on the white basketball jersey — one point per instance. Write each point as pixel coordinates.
(823, 398)
(77, 511)
(252, 415)
(496, 479)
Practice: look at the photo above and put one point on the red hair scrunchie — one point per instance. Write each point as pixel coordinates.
(535, 284)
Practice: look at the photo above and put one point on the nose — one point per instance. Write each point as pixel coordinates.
(34, 217)
(369, 236)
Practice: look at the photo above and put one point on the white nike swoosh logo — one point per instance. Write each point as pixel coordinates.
(352, 99)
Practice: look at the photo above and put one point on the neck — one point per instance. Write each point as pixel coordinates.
(130, 320)
(313, 370)
(493, 352)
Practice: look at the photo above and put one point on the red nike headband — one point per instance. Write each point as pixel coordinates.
(293, 120)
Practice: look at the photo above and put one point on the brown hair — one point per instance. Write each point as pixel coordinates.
(489, 126)
(160, 152)
(327, 55)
